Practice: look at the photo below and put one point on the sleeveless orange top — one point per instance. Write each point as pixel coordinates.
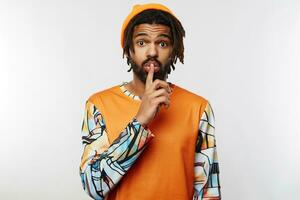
(165, 170)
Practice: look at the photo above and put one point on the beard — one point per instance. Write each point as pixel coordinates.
(161, 74)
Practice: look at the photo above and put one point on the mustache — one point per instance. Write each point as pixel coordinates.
(152, 59)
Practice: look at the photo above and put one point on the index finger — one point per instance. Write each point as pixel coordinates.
(149, 79)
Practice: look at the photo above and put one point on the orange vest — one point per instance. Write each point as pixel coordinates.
(165, 170)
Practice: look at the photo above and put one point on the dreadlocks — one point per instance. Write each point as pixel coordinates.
(153, 16)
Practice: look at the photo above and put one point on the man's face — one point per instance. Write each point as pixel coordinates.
(152, 45)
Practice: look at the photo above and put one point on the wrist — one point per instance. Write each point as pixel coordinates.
(141, 121)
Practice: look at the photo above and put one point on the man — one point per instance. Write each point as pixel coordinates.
(149, 139)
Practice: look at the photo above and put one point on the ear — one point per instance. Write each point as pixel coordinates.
(130, 52)
(126, 54)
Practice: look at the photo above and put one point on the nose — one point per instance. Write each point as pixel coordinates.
(152, 51)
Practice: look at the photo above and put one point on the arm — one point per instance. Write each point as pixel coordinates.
(103, 164)
(206, 182)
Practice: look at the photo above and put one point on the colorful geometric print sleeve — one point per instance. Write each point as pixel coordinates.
(103, 164)
(206, 182)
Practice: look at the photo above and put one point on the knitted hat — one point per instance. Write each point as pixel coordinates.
(137, 9)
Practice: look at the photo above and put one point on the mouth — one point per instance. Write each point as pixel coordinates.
(149, 63)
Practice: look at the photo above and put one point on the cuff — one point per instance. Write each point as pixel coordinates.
(144, 127)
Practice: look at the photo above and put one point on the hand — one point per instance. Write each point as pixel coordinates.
(156, 93)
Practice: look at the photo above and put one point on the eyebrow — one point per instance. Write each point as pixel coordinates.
(160, 35)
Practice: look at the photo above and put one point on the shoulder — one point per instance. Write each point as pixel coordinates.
(103, 93)
(186, 95)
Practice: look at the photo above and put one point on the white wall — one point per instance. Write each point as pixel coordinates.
(241, 55)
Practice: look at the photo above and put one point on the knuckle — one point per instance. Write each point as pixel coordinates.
(156, 81)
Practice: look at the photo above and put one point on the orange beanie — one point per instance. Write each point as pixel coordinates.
(137, 9)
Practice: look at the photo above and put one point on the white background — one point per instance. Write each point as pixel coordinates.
(241, 55)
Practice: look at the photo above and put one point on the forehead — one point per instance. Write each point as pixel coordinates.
(151, 29)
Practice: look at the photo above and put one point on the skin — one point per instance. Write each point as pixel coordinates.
(150, 41)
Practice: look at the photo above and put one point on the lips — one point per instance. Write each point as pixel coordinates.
(148, 64)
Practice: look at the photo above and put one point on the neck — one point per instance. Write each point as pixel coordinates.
(136, 86)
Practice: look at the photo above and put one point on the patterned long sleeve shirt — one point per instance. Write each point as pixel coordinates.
(101, 161)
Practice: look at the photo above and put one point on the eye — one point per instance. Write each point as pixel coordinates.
(163, 44)
(141, 43)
